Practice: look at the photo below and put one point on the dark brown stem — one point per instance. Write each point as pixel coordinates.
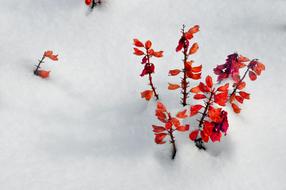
(174, 148)
(198, 141)
(39, 65)
(150, 79)
(236, 86)
(184, 82)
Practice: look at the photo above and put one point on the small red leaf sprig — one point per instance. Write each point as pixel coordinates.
(189, 71)
(149, 68)
(171, 124)
(43, 73)
(213, 120)
(231, 68)
(92, 3)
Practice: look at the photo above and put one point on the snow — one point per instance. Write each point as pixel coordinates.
(86, 127)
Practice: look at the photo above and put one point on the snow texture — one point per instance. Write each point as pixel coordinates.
(86, 127)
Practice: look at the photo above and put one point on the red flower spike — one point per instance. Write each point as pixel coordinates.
(195, 109)
(137, 43)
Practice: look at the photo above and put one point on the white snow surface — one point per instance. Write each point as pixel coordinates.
(86, 127)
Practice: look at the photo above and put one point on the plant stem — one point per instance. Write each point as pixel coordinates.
(39, 65)
(150, 79)
(236, 86)
(198, 141)
(184, 82)
(174, 148)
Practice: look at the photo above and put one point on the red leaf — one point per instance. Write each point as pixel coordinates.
(194, 29)
(88, 2)
(235, 108)
(242, 59)
(173, 86)
(174, 72)
(42, 73)
(137, 43)
(148, 44)
(160, 137)
(209, 81)
(158, 54)
(208, 128)
(193, 135)
(241, 86)
(204, 136)
(183, 128)
(221, 98)
(168, 125)
(138, 52)
(245, 95)
(161, 106)
(195, 89)
(197, 69)
(50, 55)
(175, 122)
(147, 94)
(158, 129)
(223, 88)
(215, 136)
(194, 48)
(239, 99)
(182, 114)
(199, 96)
(252, 75)
(195, 109)
(214, 114)
(194, 76)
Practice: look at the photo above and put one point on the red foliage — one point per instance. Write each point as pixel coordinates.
(43, 73)
(147, 53)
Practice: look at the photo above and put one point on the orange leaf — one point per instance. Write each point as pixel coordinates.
(209, 81)
(193, 75)
(158, 129)
(214, 114)
(137, 43)
(195, 89)
(194, 29)
(44, 74)
(241, 86)
(175, 122)
(50, 55)
(138, 52)
(174, 72)
(193, 135)
(161, 106)
(147, 94)
(158, 54)
(252, 75)
(235, 108)
(197, 69)
(183, 128)
(148, 44)
(182, 114)
(194, 48)
(242, 59)
(173, 86)
(245, 95)
(199, 96)
(223, 88)
(195, 109)
(221, 98)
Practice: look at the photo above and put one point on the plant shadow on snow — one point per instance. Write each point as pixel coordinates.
(106, 133)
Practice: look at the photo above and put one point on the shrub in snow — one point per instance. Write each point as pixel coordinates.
(149, 68)
(213, 119)
(43, 73)
(171, 124)
(92, 3)
(189, 71)
(231, 69)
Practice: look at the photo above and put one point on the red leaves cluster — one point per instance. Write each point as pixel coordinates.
(189, 71)
(170, 124)
(145, 50)
(213, 120)
(92, 3)
(43, 73)
(232, 68)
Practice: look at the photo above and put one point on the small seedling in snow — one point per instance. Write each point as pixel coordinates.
(189, 71)
(172, 124)
(92, 3)
(44, 73)
(149, 68)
